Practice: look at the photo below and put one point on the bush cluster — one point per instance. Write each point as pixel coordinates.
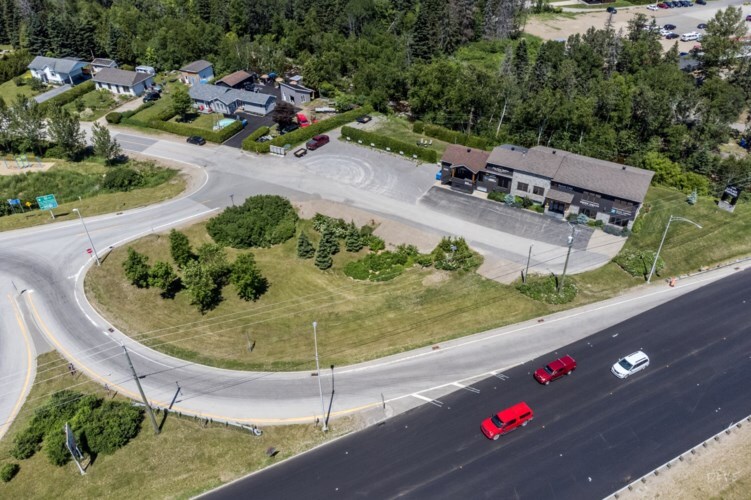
(455, 137)
(68, 96)
(544, 289)
(114, 117)
(261, 221)
(382, 266)
(9, 471)
(122, 179)
(453, 254)
(14, 64)
(387, 143)
(638, 263)
(418, 127)
(337, 226)
(218, 136)
(250, 144)
(99, 426)
(304, 134)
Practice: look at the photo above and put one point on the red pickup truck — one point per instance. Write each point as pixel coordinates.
(556, 369)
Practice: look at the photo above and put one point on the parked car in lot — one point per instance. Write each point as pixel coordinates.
(672, 36)
(300, 152)
(662, 5)
(363, 119)
(302, 120)
(151, 97)
(701, 2)
(701, 26)
(555, 370)
(633, 363)
(690, 37)
(651, 7)
(288, 128)
(612, 10)
(265, 138)
(317, 141)
(669, 27)
(197, 140)
(748, 18)
(506, 421)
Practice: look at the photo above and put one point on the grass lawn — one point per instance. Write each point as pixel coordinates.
(202, 120)
(401, 130)
(94, 105)
(92, 203)
(357, 320)
(164, 103)
(187, 458)
(9, 90)
(617, 4)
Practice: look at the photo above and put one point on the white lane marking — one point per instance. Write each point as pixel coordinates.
(466, 387)
(431, 401)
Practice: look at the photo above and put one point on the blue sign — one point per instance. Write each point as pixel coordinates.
(47, 202)
(14, 201)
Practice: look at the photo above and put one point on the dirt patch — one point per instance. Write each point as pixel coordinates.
(435, 278)
(9, 167)
(721, 470)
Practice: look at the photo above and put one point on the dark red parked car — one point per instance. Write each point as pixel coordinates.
(317, 141)
(556, 369)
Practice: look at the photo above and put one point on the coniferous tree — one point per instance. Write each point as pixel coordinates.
(323, 258)
(37, 35)
(329, 241)
(305, 249)
(353, 241)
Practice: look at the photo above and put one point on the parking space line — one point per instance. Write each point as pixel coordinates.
(431, 401)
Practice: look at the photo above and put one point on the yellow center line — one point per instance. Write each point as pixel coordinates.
(21, 397)
(175, 408)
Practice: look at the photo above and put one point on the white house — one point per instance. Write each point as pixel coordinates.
(119, 81)
(216, 99)
(58, 71)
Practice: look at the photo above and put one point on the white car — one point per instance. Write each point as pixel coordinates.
(690, 37)
(664, 32)
(631, 364)
(652, 7)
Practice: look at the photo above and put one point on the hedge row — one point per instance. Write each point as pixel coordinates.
(303, 134)
(69, 96)
(454, 137)
(186, 130)
(250, 143)
(389, 144)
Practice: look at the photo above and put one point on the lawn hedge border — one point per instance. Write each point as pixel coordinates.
(250, 144)
(187, 131)
(68, 96)
(387, 143)
(303, 134)
(454, 137)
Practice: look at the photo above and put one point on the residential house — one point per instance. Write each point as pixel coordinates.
(197, 72)
(564, 183)
(146, 69)
(215, 99)
(119, 81)
(68, 70)
(236, 80)
(99, 64)
(294, 93)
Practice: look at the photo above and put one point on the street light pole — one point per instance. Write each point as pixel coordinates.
(318, 374)
(93, 248)
(664, 235)
(568, 254)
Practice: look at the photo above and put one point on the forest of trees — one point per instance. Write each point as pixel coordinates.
(607, 94)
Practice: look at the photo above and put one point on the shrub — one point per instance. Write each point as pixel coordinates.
(247, 278)
(111, 426)
(186, 130)
(582, 219)
(261, 221)
(20, 81)
(9, 471)
(55, 449)
(26, 443)
(180, 248)
(357, 270)
(418, 127)
(68, 96)
(114, 117)
(510, 200)
(453, 254)
(455, 137)
(387, 143)
(615, 230)
(203, 291)
(526, 202)
(497, 196)
(638, 224)
(162, 276)
(377, 267)
(376, 244)
(337, 226)
(540, 209)
(122, 179)
(638, 263)
(303, 134)
(137, 268)
(250, 144)
(424, 260)
(544, 289)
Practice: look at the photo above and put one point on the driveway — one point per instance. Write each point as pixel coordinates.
(254, 123)
(52, 93)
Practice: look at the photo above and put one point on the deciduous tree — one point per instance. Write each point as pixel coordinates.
(246, 277)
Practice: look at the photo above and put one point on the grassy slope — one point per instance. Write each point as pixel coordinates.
(185, 459)
(401, 130)
(9, 91)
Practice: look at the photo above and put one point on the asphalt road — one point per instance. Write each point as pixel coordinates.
(592, 433)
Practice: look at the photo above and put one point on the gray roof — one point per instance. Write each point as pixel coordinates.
(207, 92)
(120, 77)
(298, 88)
(65, 65)
(620, 181)
(196, 66)
(99, 61)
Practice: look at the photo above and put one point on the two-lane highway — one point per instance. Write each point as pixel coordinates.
(592, 433)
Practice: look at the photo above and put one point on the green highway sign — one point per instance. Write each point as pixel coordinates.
(47, 202)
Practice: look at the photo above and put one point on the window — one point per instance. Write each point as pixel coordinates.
(593, 197)
(539, 191)
(522, 186)
(618, 221)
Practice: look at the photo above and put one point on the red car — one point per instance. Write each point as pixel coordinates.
(506, 420)
(317, 141)
(662, 5)
(302, 120)
(556, 369)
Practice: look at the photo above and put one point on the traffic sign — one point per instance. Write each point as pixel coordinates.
(89, 251)
(47, 202)
(14, 201)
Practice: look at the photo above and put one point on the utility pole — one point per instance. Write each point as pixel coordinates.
(526, 271)
(318, 374)
(657, 255)
(140, 389)
(91, 242)
(565, 265)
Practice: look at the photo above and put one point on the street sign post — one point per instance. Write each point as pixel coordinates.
(70, 443)
(47, 202)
